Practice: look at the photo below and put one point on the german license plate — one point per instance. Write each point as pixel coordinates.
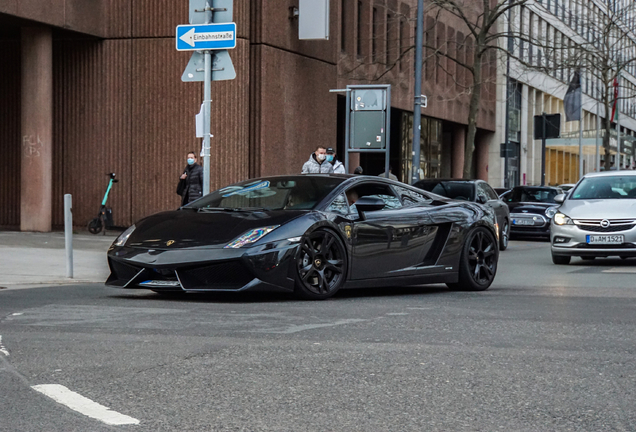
(522, 222)
(605, 239)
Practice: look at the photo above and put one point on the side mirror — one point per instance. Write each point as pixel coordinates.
(482, 199)
(367, 204)
(559, 198)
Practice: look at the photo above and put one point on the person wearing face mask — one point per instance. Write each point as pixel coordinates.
(191, 181)
(317, 163)
(338, 167)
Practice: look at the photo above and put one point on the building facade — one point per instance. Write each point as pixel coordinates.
(565, 32)
(93, 87)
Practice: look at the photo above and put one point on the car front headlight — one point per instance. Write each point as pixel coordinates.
(123, 237)
(251, 237)
(550, 212)
(561, 219)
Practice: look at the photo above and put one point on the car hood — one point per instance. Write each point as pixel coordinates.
(189, 228)
(526, 207)
(600, 209)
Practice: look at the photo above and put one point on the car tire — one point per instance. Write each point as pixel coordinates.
(321, 265)
(478, 261)
(560, 259)
(588, 258)
(504, 236)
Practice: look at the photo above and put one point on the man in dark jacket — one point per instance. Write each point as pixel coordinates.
(191, 181)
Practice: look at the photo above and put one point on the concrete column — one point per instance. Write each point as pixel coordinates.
(457, 156)
(37, 129)
(482, 142)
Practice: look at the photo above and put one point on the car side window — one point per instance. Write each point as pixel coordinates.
(481, 192)
(491, 193)
(339, 205)
(410, 197)
(373, 190)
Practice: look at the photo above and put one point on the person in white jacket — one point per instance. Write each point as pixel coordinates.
(317, 163)
(338, 167)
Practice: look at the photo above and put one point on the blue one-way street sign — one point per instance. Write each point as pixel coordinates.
(206, 37)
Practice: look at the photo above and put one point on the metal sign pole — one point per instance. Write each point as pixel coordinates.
(581, 140)
(207, 95)
(417, 107)
(347, 126)
(543, 121)
(387, 150)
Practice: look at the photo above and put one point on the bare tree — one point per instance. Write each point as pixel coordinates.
(606, 56)
(480, 20)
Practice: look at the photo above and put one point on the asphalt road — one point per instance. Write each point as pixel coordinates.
(547, 348)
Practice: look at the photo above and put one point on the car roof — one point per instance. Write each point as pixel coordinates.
(611, 173)
(536, 187)
(439, 180)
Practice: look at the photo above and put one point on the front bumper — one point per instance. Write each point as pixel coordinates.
(197, 270)
(539, 224)
(570, 240)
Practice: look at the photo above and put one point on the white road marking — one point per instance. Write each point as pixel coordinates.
(298, 328)
(3, 350)
(17, 314)
(83, 405)
(620, 270)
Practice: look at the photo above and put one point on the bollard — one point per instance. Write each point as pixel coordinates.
(68, 233)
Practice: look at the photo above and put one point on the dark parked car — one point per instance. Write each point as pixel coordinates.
(532, 209)
(309, 234)
(476, 191)
(501, 191)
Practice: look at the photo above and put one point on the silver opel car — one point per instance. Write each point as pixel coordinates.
(596, 219)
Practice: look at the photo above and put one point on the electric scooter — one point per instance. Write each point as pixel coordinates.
(104, 219)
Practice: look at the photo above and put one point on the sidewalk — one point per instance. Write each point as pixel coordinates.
(35, 259)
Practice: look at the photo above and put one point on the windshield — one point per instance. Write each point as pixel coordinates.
(533, 195)
(454, 190)
(275, 193)
(614, 187)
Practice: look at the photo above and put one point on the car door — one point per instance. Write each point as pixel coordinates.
(387, 242)
(493, 201)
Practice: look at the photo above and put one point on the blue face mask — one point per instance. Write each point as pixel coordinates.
(329, 158)
(190, 161)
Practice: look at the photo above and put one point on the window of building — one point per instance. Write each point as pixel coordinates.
(400, 43)
(343, 25)
(374, 37)
(430, 147)
(389, 30)
(359, 30)
(429, 35)
(461, 58)
(531, 33)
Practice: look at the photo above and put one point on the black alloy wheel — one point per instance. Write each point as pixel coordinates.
(478, 262)
(95, 226)
(504, 236)
(321, 265)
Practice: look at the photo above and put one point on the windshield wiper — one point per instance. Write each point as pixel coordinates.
(213, 209)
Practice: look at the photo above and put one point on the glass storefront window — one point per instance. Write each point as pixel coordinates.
(430, 147)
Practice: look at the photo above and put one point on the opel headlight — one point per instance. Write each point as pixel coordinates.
(123, 237)
(251, 236)
(561, 219)
(550, 212)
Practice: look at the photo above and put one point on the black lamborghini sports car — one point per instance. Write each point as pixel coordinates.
(311, 235)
